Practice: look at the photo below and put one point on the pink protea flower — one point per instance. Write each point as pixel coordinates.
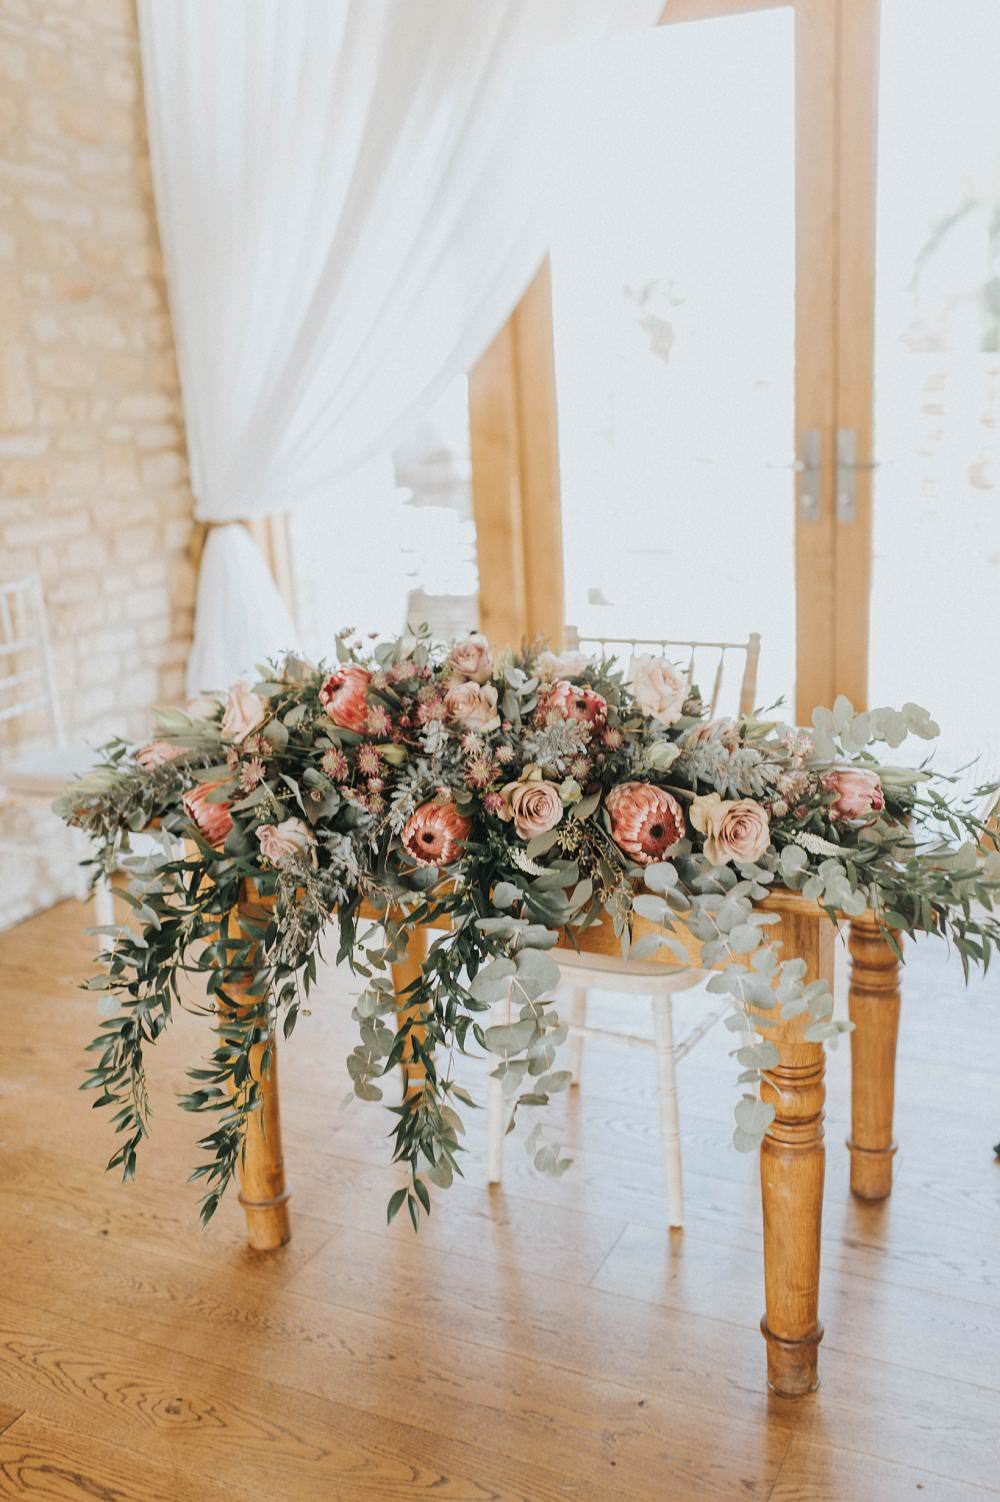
(859, 793)
(570, 702)
(157, 754)
(434, 834)
(645, 820)
(343, 697)
(213, 819)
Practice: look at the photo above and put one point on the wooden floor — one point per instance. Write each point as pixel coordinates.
(547, 1341)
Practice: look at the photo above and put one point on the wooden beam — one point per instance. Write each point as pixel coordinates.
(815, 342)
(855, 218)
(515, 475)
(708, 10)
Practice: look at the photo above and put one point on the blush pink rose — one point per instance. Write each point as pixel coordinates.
(343, 697)
(535, 806)
(243, 713)
(157, 754)
(735, 829)
(434, 834)
(570, 702)
(213, 819)
(472, 658)
(473, 705)
(645, 820)
(282, 843)
(859, 793)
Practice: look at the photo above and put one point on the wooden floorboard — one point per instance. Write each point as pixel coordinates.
(546, 1340)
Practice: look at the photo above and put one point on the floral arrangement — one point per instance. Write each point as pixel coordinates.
(522, 796)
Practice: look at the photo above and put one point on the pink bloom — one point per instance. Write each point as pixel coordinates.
(434, 834)
(282, 843)
(378, 722)
(244, 712)
(493, 803)
(472, 658)
(157, 754)
(369, 761)
(570, 702)
(334, 764)
(213, 819)
(645, 820)
(859, 793)
(473, 705)
(612, 739)
(343, 697)
(430, 709)
(479, 773)
(253, 773)
(534, 805)
(735, 829)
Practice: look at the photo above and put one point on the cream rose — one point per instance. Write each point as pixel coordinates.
(243, 713)
(282, 843)
(534, 805)
(734, 829)
(473, 705)
(472, 658)
(658, 688)
(562, 664)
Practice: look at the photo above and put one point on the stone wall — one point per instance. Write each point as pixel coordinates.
(94, 491)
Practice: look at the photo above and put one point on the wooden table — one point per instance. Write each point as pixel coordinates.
(791, 1155)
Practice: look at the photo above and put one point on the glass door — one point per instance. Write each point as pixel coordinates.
(673, 276)
(935, 614)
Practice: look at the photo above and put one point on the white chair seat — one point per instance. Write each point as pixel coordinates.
(45, 772)
(606, 972)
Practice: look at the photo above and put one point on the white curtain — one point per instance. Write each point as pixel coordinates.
(351, 199)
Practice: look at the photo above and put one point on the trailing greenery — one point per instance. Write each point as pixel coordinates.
(521, 798)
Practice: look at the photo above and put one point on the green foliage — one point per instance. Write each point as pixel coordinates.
(345, 798)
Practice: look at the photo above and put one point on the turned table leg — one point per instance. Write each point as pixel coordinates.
(873, 1000)
(263, 1193)
(792, 1163)
(404, 972)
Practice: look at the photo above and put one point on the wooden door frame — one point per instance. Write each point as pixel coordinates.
(512, 390)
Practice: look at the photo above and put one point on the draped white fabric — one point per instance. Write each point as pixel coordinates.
(351, 199)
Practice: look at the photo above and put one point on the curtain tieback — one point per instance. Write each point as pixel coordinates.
(201, 529)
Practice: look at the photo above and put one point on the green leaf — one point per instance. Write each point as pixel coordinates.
(753, 1115)
(395, 1205)
(493, 981)
(510, 1037)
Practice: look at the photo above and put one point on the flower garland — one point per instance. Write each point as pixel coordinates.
(520, 796)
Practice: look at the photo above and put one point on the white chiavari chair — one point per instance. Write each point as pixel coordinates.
(584, 973)
(38, 774)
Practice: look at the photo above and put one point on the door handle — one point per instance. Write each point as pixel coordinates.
(848, 466)
(808, 467)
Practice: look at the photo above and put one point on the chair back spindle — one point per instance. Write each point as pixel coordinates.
(716, 651)
(27, 676)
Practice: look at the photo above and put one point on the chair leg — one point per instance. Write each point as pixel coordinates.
(578, 1018)
(104, 909)
(670, 1120)
(495, 1124)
